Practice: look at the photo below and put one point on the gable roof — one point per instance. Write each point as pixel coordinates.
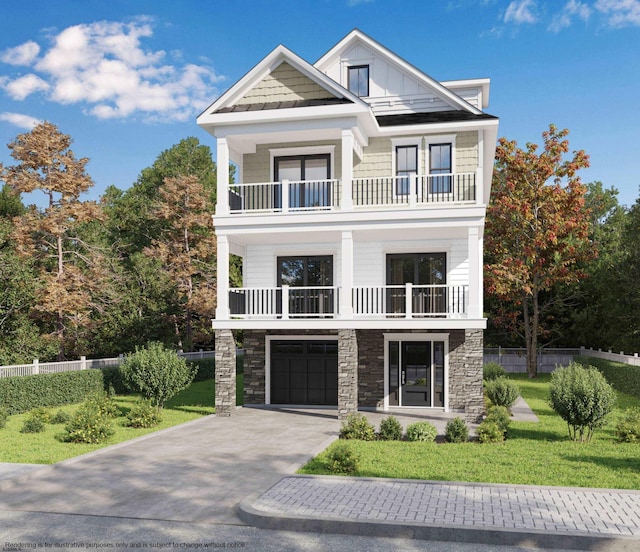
(228, 102)
(355, 36)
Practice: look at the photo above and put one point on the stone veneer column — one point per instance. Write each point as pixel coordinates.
(465, 373)
(254, 366)
(347, 373)
(225, 373)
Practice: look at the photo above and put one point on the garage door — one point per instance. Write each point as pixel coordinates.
(304, 372)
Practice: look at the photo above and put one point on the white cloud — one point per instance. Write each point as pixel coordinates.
(571, 10)
(18, 119)
(105, 66)
(24, 54)
(620, 13)
(520, 11)
(24, 86)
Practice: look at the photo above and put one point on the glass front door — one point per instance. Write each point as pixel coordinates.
(309, 180)
(416, 373)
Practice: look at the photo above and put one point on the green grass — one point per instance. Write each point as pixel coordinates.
(533, 454)
(44, 448)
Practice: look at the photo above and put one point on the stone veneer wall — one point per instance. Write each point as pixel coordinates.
(347, 373)
(465, 366)
(225, 373)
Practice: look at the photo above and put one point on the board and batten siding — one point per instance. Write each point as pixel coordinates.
(284, 84)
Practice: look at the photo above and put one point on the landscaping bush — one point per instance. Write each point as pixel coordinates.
(493, 370)
(206, 368)
(490, 432)
(157, 373)
(42, 413)
(456, 431)
(356, 426)
(143, 414)
(390, 429)
(582, 398)
(33, 423)
(90, 424)
(23, 393)
(421, 431)
(4, 416)
(628, 427)
(342, 459)
(60, 417)
(113, 382)
(502, 392)
(500, 416)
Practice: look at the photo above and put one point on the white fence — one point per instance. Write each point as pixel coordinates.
(515, 360)
(37, 367)
(633, 360)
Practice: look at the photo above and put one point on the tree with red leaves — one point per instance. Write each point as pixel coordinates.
(537, 231)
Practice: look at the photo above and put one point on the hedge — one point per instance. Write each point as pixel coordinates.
(23, 393)
(622, 377)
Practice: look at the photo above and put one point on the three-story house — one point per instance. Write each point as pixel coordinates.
(358, 211)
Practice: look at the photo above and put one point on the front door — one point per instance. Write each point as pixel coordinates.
(416, 373)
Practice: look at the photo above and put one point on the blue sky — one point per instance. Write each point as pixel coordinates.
(127, 78)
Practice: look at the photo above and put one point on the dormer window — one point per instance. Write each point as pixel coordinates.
(358, 80)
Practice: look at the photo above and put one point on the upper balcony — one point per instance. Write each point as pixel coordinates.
(366, 193)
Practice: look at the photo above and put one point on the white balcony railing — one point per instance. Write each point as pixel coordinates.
(323, 195)
(402, 301)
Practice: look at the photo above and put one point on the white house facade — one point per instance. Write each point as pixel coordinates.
(358, 212)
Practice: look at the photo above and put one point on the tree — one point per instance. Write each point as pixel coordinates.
(537, 231)
(186, 248)
(69, 268)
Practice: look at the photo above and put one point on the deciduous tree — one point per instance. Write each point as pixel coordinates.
(537, 231)
(69, 268)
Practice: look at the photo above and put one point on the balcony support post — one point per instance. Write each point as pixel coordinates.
(474, 240)
(347, 170)
(285, 196)
(222, 184)
(285, 302)
(222, 308)
(413, 191)
(408, 300)
(346, 293)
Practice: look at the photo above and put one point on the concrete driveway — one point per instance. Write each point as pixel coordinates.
(196, 472)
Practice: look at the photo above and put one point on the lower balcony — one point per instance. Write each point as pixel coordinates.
(367, 302)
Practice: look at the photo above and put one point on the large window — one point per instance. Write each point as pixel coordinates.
(406, 167)
(440, 163)
(427, 273)
(358, 80)
(310, 278)
(309, 180)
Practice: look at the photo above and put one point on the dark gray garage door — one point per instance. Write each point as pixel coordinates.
(304, 372)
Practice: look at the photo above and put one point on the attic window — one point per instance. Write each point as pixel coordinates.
(358, 80)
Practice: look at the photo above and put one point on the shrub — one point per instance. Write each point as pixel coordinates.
(421, 431)
(157, 373)
(622, 377)
(4, 416)
(490, 432)
(493, 370)
(356, 426)
(390, 429)
(342, 459)
(206, 368)
(500, 416)
(628, 427)
(582, 398)
(113, 382)
(143, 414)
(502, 392)
(23, 393)
(456, 431)
(60, 417)
(90, 424)
(33, 423)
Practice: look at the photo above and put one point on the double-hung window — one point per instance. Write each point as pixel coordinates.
(358, 80)
(406, 167)
(440, 164)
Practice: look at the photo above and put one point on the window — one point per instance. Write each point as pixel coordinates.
(309, 177)
(440, 163)
(358, 80)
(406, 166)
(307, 276)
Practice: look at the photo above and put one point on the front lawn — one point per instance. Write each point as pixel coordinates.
(44, 448)
(533, 454)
